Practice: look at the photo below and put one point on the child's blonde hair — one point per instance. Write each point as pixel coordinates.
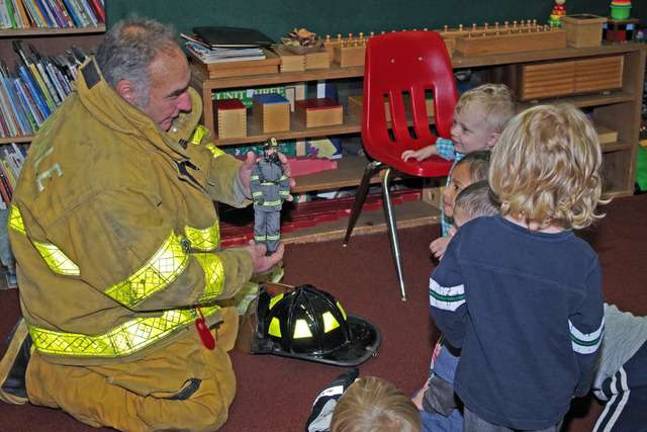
(545, 168)
(374, 404)
(495, 100)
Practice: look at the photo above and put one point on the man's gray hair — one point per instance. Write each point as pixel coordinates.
(129, 48)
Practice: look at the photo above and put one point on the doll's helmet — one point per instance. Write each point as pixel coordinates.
(310, 324)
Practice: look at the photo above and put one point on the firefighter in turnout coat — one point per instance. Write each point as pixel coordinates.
(116, 237)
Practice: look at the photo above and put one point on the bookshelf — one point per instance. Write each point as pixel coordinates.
(49, 27)
(616, 109)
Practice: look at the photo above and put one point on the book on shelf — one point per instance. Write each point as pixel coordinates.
(232, 37)
(37, 86)
(208, 55)
(25, 14)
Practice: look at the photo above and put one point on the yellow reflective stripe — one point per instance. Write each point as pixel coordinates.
(330, 322)
(198, 134)
(156, 274)
(273, 237)
(56, 260)
(206, 239)
(343, 312)
(274, 300)
(301, 329)
(254, 177)
(214, 275)
(272, 203)
(122, 340)
(215, 151)
(275, 327)
(15, 220)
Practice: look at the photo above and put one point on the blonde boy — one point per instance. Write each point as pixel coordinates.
(480, 116)
(374, 404)
(519, 293)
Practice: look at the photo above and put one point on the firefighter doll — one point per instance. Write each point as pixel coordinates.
(270, 186)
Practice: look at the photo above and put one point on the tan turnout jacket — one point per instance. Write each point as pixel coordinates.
(116, 237)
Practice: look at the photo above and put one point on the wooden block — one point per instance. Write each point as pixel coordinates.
(351, 55)
(319, 112)
(606, 135)
(561, 78)
(450, 44)
(271, 113)
(290, 62)
(239, 68)
(544, 80)
(583, 30)
(598, 74)
(231, 118)
(317, 60)
(355, 107)
(477, 44)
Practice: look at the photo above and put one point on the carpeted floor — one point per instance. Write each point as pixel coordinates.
(275, 394)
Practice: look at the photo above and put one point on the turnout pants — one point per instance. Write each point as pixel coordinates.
(179, 386)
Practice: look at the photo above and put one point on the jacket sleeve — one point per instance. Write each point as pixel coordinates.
(447, 296)
(126, 248)
(586, 326)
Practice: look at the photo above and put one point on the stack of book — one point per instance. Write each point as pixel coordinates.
(31, 92)
(24, 14)
(209, 54)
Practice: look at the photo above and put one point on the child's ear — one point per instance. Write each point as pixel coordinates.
(492, 139)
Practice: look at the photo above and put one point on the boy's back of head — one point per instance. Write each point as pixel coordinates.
(374, 404)
(545, 170)
(496, 102)
(474, 201)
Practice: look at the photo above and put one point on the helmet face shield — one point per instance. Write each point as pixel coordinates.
(310, 324)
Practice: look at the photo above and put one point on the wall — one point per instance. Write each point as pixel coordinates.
(277, 17)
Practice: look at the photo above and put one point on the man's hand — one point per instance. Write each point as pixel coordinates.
(438, 246)
(286, 170)
(245, 172)
(261, 262)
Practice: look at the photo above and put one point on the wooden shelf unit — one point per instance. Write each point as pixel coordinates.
(16, 33)
(618, 110)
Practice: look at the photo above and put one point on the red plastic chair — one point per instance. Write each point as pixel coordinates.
(413, 63)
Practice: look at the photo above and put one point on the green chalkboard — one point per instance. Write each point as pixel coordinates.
(277, 17)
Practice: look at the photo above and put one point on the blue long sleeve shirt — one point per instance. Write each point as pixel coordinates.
(526, 309)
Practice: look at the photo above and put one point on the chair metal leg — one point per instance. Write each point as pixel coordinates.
(393, 232)
(360, 197)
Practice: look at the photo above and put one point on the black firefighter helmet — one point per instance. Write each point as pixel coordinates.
(309, 324)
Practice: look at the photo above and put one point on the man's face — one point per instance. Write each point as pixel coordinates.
(470, 132)
(169, 82)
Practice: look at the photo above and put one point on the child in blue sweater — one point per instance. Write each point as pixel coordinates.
(519, 293)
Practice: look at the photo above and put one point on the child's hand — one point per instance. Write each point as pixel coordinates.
(419, 154)
(419, 396)
(438, 246)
